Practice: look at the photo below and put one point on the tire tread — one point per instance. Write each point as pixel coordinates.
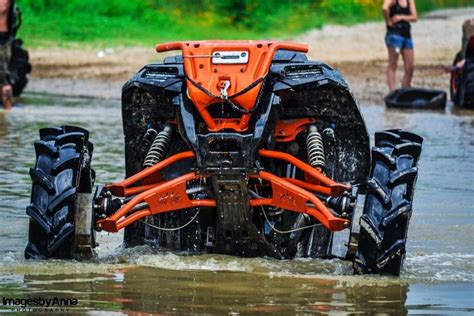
(51, 234)
(388, 204)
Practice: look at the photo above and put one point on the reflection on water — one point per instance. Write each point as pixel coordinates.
(438, 275)
(151, 290)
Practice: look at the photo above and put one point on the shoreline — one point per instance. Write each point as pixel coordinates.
(360, 56)
(366, 79)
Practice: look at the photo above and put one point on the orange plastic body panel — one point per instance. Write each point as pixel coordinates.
(198, 66)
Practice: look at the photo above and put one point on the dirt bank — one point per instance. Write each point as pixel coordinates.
(358, 51)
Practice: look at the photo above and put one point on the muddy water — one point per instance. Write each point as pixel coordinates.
(438, 276)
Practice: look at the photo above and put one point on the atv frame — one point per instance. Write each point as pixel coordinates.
(260, 152)
(167, 196)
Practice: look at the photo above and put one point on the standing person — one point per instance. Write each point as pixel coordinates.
(398, 14)
(6, 88)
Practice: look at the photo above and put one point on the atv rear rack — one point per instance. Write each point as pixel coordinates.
(154, 196)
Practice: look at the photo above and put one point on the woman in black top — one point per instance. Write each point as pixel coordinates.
(398, 14)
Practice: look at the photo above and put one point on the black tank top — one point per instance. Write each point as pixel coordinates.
(402, 27)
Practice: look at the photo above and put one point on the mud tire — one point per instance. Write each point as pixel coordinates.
(62, 170)
(388, 203)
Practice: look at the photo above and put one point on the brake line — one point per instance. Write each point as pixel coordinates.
(257, 195)
(285, 231)
(171, 229)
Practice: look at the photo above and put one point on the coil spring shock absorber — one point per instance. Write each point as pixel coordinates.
(315, 147)
(159, 147)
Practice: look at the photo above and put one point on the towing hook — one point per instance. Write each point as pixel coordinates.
(224, 86)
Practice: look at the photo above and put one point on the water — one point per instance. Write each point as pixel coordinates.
(438, 276)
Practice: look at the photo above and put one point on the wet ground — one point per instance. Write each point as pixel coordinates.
(438, 276)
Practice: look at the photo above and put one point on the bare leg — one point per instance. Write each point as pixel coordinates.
(7, 97)
(392, 68)
(408, 56)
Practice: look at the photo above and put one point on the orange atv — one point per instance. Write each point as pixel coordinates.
(243, 148)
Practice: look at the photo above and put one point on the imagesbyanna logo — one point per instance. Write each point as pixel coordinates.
(36, 303)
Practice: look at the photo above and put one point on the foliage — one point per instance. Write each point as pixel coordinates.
(130, 22)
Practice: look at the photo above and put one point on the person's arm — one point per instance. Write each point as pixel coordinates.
(413, 17)
(386, 11)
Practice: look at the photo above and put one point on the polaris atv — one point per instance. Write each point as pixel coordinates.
(243, 148)
(462, 79)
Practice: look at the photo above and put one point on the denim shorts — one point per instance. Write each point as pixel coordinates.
(398, 41)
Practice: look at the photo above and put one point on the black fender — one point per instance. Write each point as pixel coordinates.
(148, 102)
(311, 88)
(304, 88)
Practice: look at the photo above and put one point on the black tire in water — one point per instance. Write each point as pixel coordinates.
(62, 172)
(388, 203)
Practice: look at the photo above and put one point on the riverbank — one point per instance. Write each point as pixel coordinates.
(142, 23)
(357, 51)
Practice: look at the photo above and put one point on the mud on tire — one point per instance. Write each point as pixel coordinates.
(61, 172)
(388, 203)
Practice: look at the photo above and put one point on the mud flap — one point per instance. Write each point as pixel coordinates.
(236, 234)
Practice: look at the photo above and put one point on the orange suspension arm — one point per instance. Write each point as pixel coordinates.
(164, 197)
(121, 188)
(289, 196)
(337, 189)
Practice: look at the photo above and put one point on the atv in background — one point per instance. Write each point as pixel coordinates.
(243, 148)
(19, 66)
(462, 79)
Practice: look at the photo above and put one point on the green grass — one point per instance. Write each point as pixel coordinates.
(102, 23)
